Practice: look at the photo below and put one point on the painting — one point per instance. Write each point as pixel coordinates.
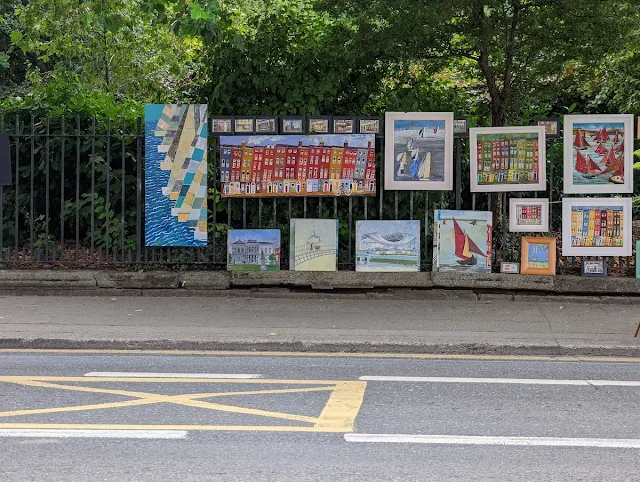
(253, 250)
(460, 127)
(292, 125)
(596, 227)
(538, 255)
(313, 245)
(598, 154)
(298, 165)
(369, 125)
(593, 268)
(222, 125)
(419, 151)
(343, 125)
(319, 125)
(266, 125)
(528, 215)
(244, 125)
(462, 241)
(551, 127)
(176, 175)
(387, 246)
(507, 159)
(509, 267)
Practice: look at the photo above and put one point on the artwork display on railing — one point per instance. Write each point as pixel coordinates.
(598, 154)
(528, 215)
(253, 250)
(298, 165)
(176, 175)
(462, 241)
(313, 245)
(387, 246)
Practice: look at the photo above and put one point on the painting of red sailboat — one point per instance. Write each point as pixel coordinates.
(462, 241)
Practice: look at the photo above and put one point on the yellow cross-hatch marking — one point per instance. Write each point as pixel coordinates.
(338, 415)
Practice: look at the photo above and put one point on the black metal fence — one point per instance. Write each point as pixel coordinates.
(77, 200)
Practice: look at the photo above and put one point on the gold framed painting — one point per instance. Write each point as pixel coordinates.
(538, 256)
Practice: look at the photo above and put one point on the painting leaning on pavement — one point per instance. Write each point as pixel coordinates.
(313, 245)
(387, 246)
(462, 241)
(176, 175)
(253, 250)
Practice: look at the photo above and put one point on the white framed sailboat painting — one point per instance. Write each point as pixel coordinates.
(462, 241)
(419, 151)
(598, 154)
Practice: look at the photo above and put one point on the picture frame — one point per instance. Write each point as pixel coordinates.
(222, 125)
(243, 125)
(266, 125)
(593, 268)
(319, 124)
(344, 125)
(509, 268)
(538, 256)
(552, 126)
(370, 125)
(528, 215)
(523, 147)
(460, 127)
(597, 160)
(425, 136)
(292, 125)
(582, 235)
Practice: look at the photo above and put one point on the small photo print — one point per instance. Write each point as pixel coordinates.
(460, 126)
(244, 125)
(369, 126)
(550, 127)
(292, 126)
(343, 126)
(222, 125)
(265, 125)
(319, 126)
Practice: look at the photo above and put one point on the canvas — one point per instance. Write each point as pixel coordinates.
(598, 154)
(508, 159)
(298, 165)
(419, 151)
(596, 227)
(313, 245)
(253, 250)
(528, 215)
(176, 175)
(462, 241)
(387, 246)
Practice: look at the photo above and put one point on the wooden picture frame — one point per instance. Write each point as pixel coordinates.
(595, 154)
(552, 126)
(266, 125)
(344, 125)
(538, 256)
(593, 268)
(244, 125)
(533, 206)
(316, 124)
(488, 175)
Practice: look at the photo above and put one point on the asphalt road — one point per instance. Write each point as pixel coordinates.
(306, 418)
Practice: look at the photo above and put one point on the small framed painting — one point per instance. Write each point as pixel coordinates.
(596, 227)
(512, 268)
(222, 125)
(266, 125)
(593, 268)
(319, 124)
(598, 154)
(243, 125)
(292, 125)
(460, 127)
(370, 125)
(344, 125)
(551, 126)
(508, 159)
(538, 255)
(419, 151)
(528, 215)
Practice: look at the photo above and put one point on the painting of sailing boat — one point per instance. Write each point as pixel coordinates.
(508, 159)
(387, 246)
(598, 152)
(462, 241)
(419, 151)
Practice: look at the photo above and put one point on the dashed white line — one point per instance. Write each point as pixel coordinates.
(239, 376)
(522, 381)
(82, 433)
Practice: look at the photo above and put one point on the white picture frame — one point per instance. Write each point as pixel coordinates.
(515, 227)
(567, 225)
(508, 186)
(395, 123)
(570, 156)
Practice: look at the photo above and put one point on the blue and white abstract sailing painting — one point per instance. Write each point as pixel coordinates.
(387, 246)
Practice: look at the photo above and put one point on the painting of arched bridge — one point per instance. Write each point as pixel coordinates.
(313, 245)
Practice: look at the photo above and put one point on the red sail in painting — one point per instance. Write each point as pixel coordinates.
(580, 141)
(616, 167)
(603, 136)
(601, 149)
(592, 166)
(620, 148)
(464, 245)
(609, 157)
(616, 139)
(581, 164)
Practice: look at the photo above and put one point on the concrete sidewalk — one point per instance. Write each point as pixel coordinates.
(320, 324)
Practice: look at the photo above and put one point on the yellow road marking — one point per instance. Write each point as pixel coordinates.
(231, 428)
(416, 356)
(342, 408)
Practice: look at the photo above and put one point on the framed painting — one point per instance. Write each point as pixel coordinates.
(387, 246)
(538, 256)
(222, 125)
(370, 125)
(266, 125)
(320, 124)
(292, 125)
(244, 125)
(313, 245)
(596, 227)
(551, 127)
(344, 125)
(419, 151)
(598, 154)
(253, 250)
(508, 159)
(462, 241)
(593, 268)
(528, 215)
(460, 127)
(175, 175)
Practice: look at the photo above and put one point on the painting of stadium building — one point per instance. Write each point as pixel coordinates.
(176, 175)
(387, 246)
(313, 245)
(462, 241)
(253, 250)
(298, 165)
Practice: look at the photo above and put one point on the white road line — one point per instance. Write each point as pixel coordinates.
(522, 381)
(481, 440)
(173, 375)
(78, 433)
